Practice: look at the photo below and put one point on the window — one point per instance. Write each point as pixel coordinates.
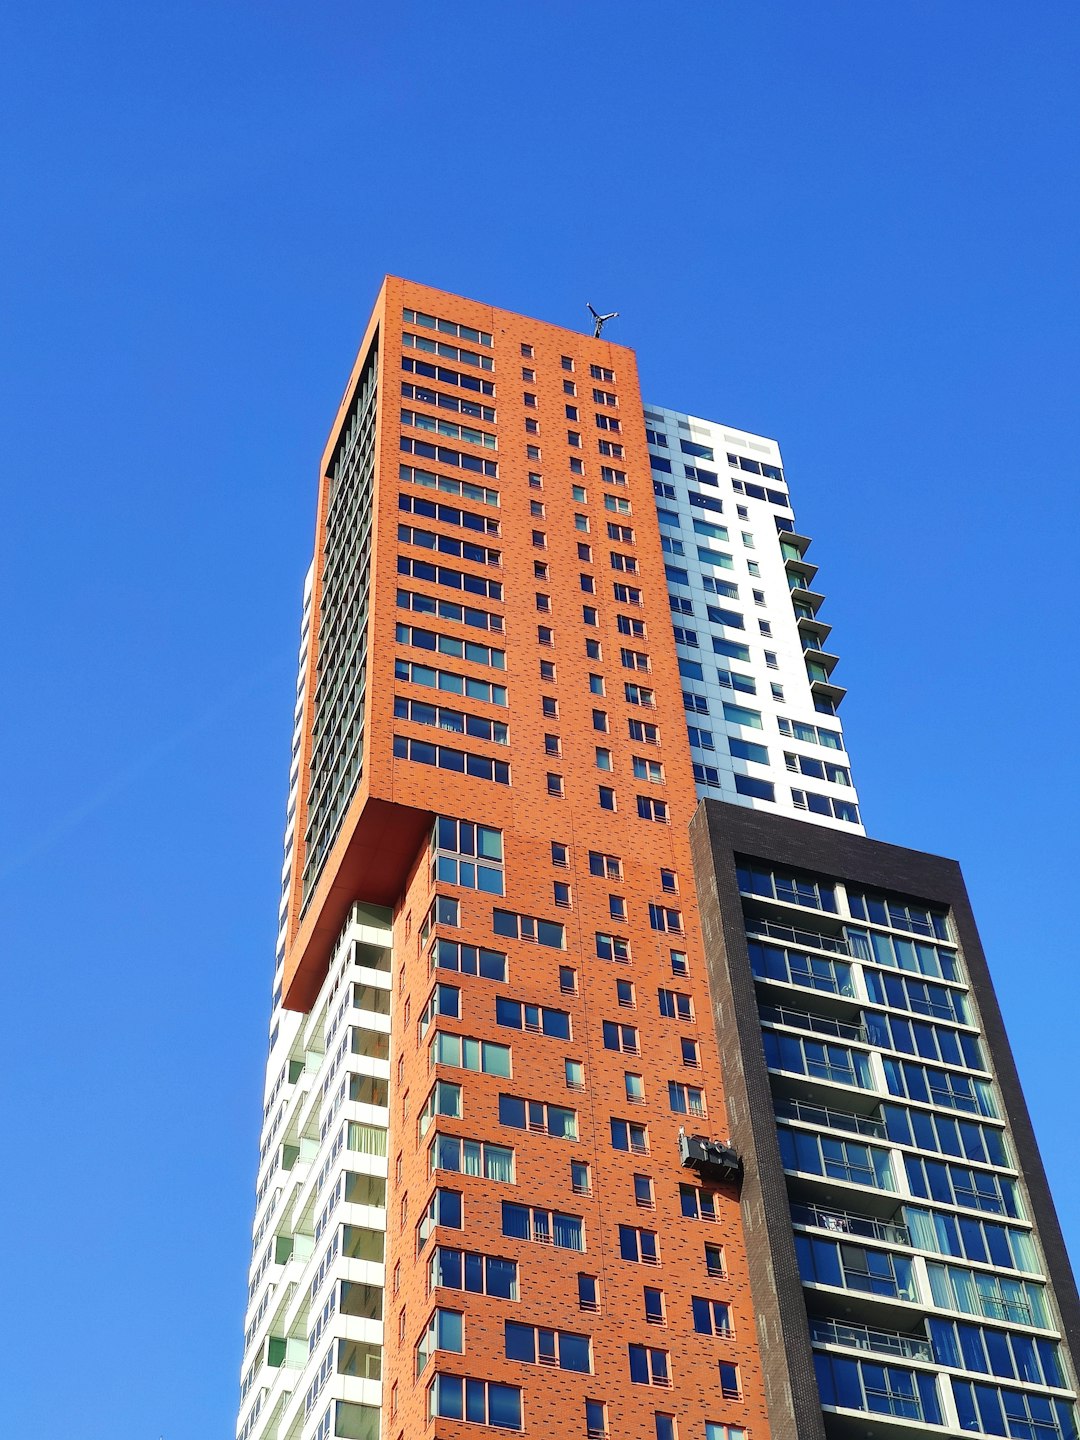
(469, 1054)
(522, 1015)
(669, 882)
(442, 717)
(416, 674)
(466, 854)
(747, 750)
(549, 706)
(567, 362)
(736, 680)
(554, 784)
(568, 981)
(639, 695)
(654, 1305)
(569, 388)
(739, 715)
(444, 1331)
(527, 351)
(545, 635)
(482, 1402)
(547, 670)
(622, 1038)
(560, 854)
(715, 1263)
(648, 1366)
(627, 594)
(607, 866)
(675, 1005)
(588, 1293)
(612, 947)
(644, 731)
(535, 1345)
(530, 928)
(539, 1117)
(634, 1086)
(600, 721)
(786, 886)
(617, 907)
(444, 1000)
(561, 894)
(469, 960)
(444, 1208)
(596, 1420)
(639, 1246)
(527, 375)
(588, 584)
(730, 1384)
(545, 1227)
(715, 1431)
(643, 1192)
(629, 1135)
(452, 1269)
(624, 993)
(552, 745)
(589, 615)
(650, 809)
(647, 769)
(596, 684)
(690, 1054)
(697, 1204)
(711, 1317)
(593, 650)
(580, 1178)
(686, 1099)
(471, 1157)
(666, 1427)
(540, 570)
(606, 797)
(574, 1074)
(666, 920)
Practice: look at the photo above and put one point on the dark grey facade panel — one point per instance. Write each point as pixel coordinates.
(719, 833)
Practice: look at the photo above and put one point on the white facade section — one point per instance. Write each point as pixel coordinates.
(313, 1330)
(761, 704)
(312, 1360)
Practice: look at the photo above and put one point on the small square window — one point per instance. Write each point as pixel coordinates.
(580, 1178)
(530, 400)
(607, 797)
(569, 388)
(527, 351)
(600, 720)
(593, 650)
(554, 784)
(561, 894)
(567, 363)
(690, 1054)
(539, 539)
(777, 691)
(669, 882)
(680, 965)
(568, 980)
(577, 467)
(549, 706)
(585, 553)
(580, 496)
(528, 375)
(603, 759)
(654, 1305)
(571, 412)
(536, 482)
(589, 615)
(643, 1192)
(552, 745)
(596, 684)
(617, 907)
(753, 567)
(540, 569)
(532, 452)
(743, 512)
(624, 993)
(547, 670)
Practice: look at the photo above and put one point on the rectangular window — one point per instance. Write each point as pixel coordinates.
(481, 1402)
(469, 1054)
(534, 1345)
(530, 928)
(538, 1117)
(629, 1135)
(545, 1227)
(471, 1157)
(444, 757)
(639, 1246)
(675, 1005)
(522, 1015)
(649, 1366)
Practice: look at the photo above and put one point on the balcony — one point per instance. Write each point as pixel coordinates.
(893, 1343)
(802, 595)
(847, 1222)
(816, 1024)
(823, 1117)
(813, 629)
(813, 939)
(820, 659)
(800, 570)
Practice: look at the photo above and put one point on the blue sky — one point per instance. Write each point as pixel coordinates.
(851, 226)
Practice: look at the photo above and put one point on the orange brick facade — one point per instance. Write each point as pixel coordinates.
(381, 855)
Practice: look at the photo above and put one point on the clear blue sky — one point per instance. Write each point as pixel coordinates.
(852, 226)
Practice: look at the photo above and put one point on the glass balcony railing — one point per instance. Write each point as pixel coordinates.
(830, 1119)
(818, 1024)
(862, 1337)
(834, 944)
(846, 1222)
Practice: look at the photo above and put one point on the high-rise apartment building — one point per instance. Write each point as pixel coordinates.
(496, 1186)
